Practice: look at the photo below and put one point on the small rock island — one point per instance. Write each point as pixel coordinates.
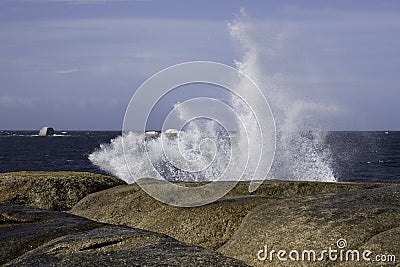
(46, 131)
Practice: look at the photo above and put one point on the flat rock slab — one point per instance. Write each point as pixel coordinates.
(51, 190)
(32, 237)
(281, 215)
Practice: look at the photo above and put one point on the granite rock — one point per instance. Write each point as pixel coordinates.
(283, 215)
(51, 190)
(366, 219)
(33, 237)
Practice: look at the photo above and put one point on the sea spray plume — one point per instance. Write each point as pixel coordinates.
(189, 157)
(251, 137)
(304, 154)
(201, 151)
(223, 76)
(196, 159)
(110, 158)
(301, 152)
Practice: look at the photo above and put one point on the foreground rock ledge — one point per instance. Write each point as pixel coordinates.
(279, 215)
(32, 237)
(51, 190)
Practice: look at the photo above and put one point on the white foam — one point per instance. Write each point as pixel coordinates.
(187, 157)
(301, 152)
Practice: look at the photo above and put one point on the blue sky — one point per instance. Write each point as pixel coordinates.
(74, 64)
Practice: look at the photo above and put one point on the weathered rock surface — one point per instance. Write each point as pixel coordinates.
(366, 219)
(32, 237)
(280, 215)
(209, 226)
(51, 190)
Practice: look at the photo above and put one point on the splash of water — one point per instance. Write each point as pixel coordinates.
(301, 151)
(196, 154)
(202, 152)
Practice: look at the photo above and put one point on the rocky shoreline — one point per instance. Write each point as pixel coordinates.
(76, 219)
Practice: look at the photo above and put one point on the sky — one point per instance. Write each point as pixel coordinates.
(75, 64)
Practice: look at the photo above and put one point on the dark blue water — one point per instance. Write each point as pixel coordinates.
(66, 151)
(365, 156)
(356, 156)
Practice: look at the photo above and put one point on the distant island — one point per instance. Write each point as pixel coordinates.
(46, 131)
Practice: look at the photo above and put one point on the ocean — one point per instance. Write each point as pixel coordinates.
(354, 156)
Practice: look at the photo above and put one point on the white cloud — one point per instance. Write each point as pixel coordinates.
(68, 71)
(11, 101)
